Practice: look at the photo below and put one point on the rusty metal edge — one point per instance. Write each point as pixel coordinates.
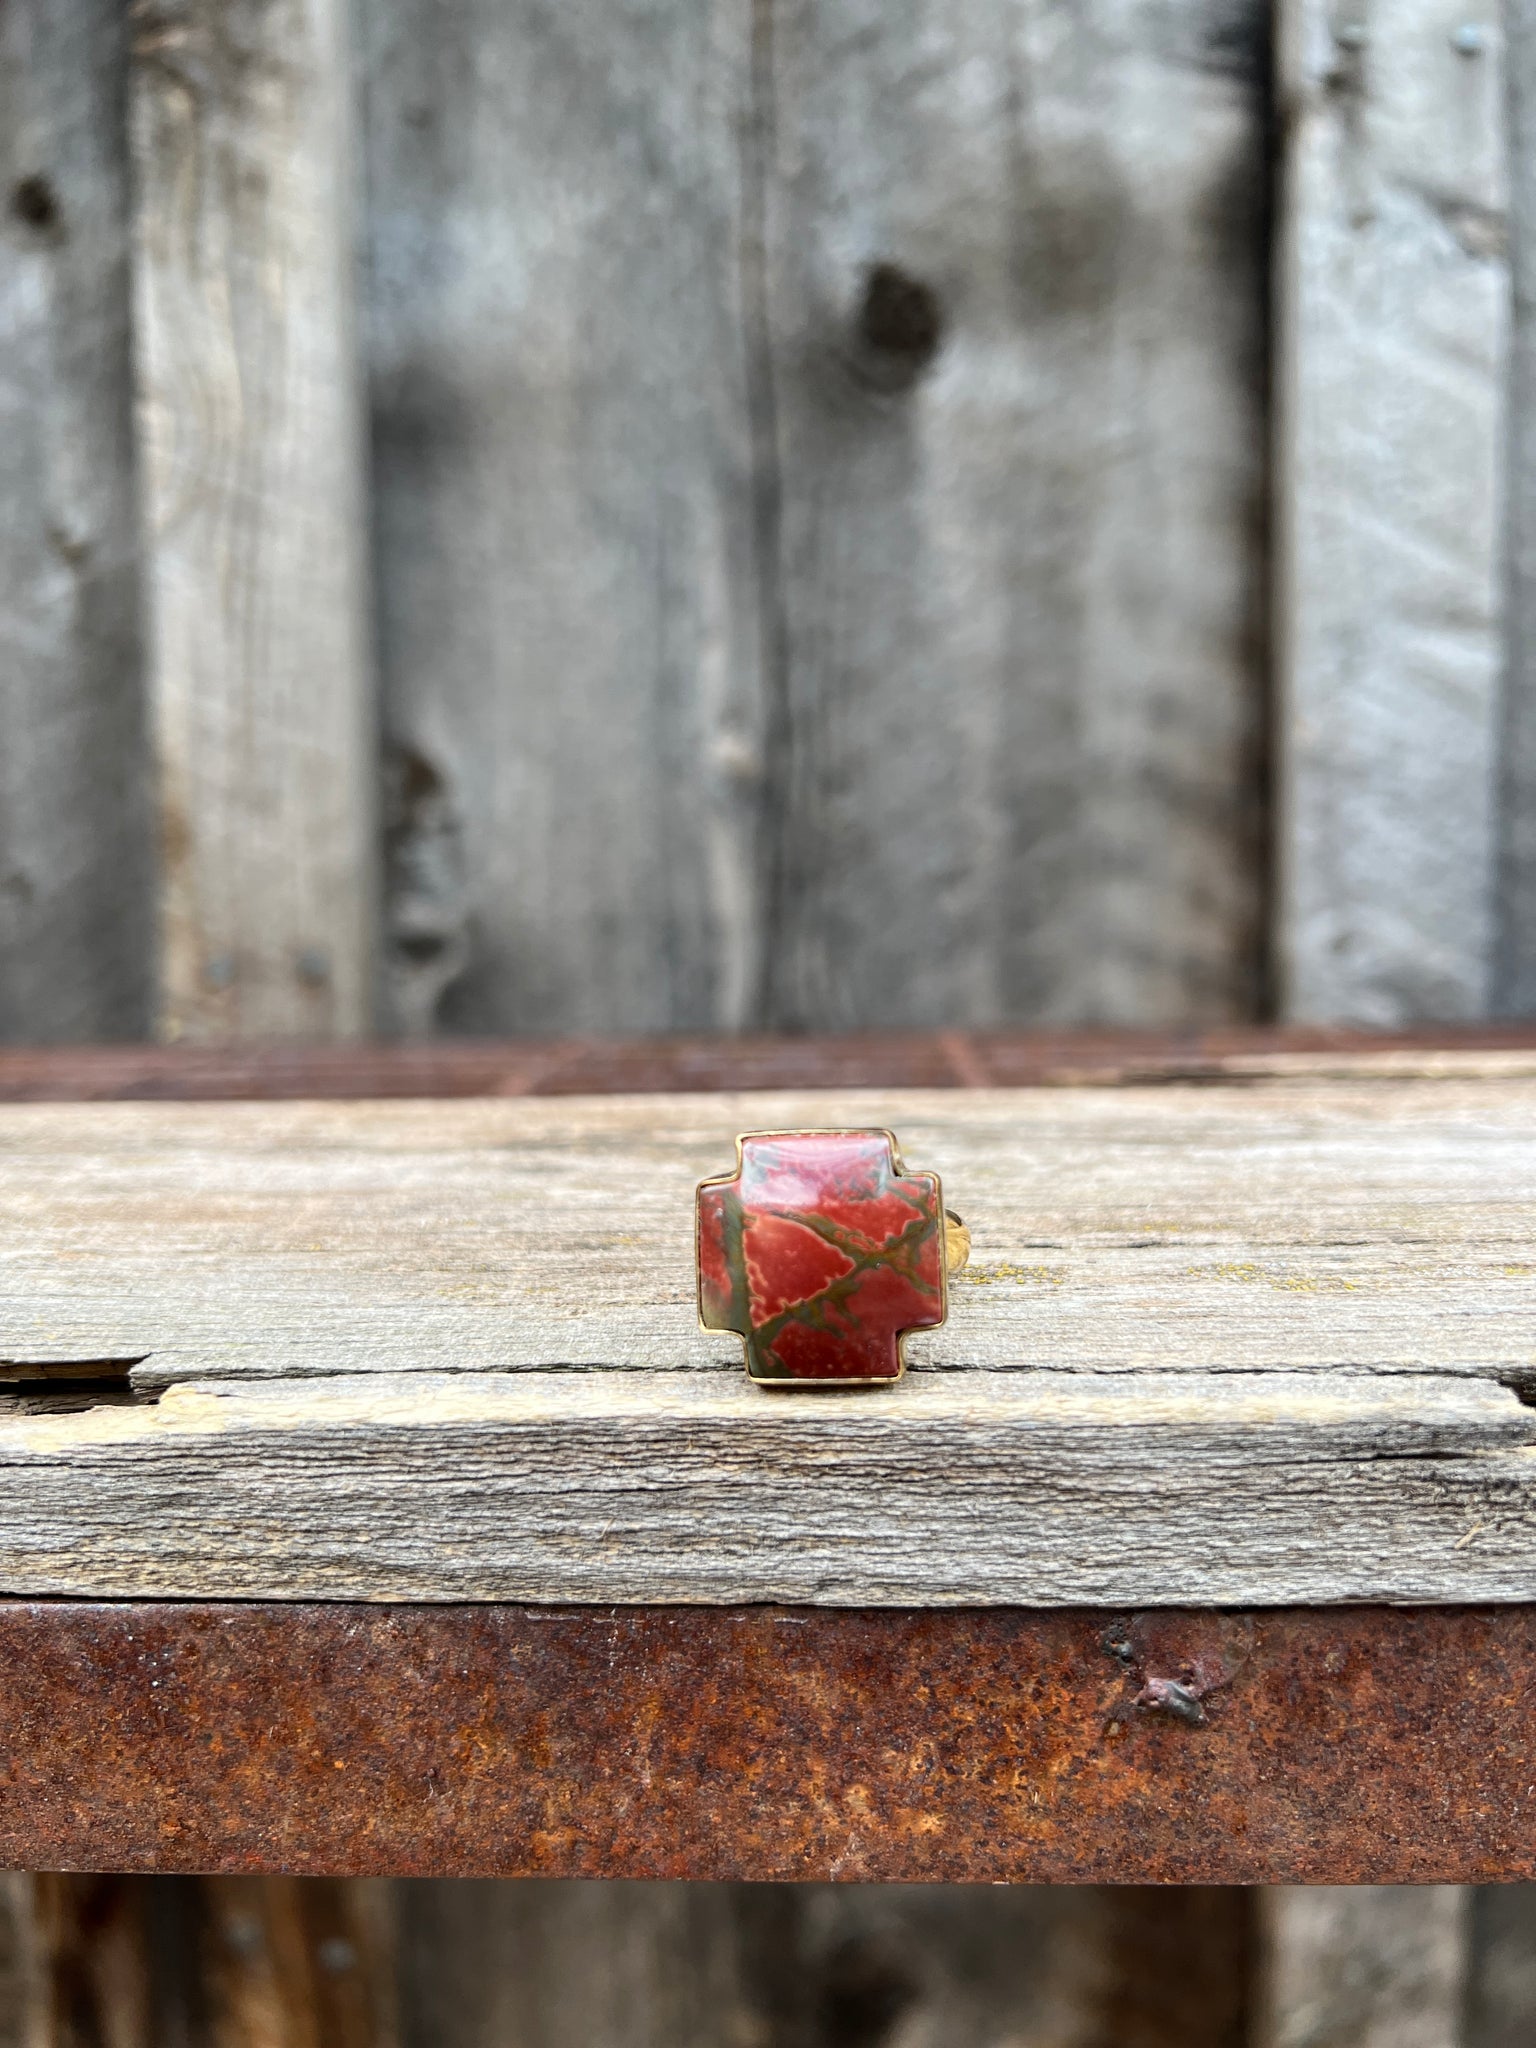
(1368, 1745)
(945, 1059)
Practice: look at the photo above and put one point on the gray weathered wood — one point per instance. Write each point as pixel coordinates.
(1373, 1224)
(1039, 1489)
(582, 1965)
(487, 1965)
(1011, 383)
(251, 464)
(1514, 990)
(1019, 1966)
(19, 1958)
(76, 890)
(1393, 284)
(1373, 1966)
(743, 663)
(566, 553)
(1267, 1322)
(1501, 1973)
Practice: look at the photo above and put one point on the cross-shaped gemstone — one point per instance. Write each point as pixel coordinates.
(820, 1251)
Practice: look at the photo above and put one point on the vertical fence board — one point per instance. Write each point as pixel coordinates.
(956, 1966)
(1393, 334)
(1015, 372)
(588, 1964)
(1501, 1988)
(596, 1965)
(1514, 990)
(181, 1962)
(1376, 1966)
(563, 510)
(76, 884)
(20, 2013)
(297, 1962)
(251, 461)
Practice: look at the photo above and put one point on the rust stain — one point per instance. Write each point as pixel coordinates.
(1353, 1746)
(945, 1059)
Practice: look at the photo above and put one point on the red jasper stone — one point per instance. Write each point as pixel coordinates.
(820, 1252)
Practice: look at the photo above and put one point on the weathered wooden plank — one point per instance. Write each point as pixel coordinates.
(1501, 1972)
(705, 621)
(251, 465)
(572, 1965)
(562, 465)
(1292, 1223)
(76, 890)
(846, 1966)
(18, 1963)
(1377, 1966)
(1514, 986)
(1393, 288)
(1039, 1489)
(1009, 379)
(285, 1962)
(221, 1962)
(712, 1063)
(933, 1966)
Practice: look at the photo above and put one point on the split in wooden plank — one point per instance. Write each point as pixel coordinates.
(1037, 1489)
(1393, 290)
(251, 465)
(1373, 1225)
(1258, 1344)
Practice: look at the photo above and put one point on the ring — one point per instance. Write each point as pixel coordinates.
(821, 1251)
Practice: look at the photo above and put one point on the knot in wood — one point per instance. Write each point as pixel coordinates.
(899, 327)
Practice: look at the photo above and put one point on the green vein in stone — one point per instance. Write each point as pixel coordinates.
(812, 1314)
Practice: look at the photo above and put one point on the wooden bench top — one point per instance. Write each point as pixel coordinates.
(1256, 1343)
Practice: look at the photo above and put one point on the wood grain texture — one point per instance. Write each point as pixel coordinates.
(1253, 1344)
(1371, 1224)
(76, 888)
(221, 1962)
(563, 508)
(489, 1965)
(1392, 343)
(251, 464)
(750, 658)
(607, 1965)
(287, 1962)
(715, 1063)
(1501, 1966)
(1376, 1966)
(1514, 987)
(959, 1490)
(19, 1987)
(1011, 385)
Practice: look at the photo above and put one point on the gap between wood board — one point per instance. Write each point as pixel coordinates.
(1246, 1346)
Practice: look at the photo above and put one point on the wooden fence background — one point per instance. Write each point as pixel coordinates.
(595, 515)
(609, 515)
